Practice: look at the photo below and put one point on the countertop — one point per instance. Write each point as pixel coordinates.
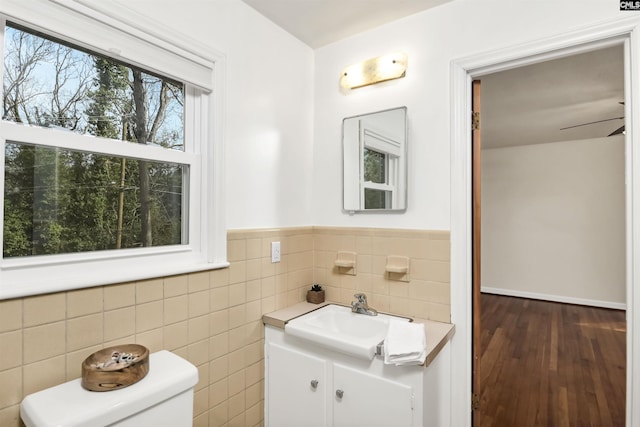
(437, 333)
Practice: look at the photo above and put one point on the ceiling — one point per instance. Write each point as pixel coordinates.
(320, 22)
(529, 105)
(526, 105)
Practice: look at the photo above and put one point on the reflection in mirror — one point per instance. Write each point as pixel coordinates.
(375, 161)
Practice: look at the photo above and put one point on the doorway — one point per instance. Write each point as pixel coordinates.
(552, 197)
(463, 72)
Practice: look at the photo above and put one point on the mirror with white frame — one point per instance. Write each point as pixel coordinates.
(375, 161)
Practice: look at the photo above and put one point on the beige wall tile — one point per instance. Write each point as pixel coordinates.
(203, 376)
(44, 341)
(237, 360)
(236, 404)
(199, 303)
(253, 353)
(176, 309)
(218, 369)
(237, 338)
(119, 323)
(10, 417)
(201, 420)
(269, 304)
(254, 248)
(254, 414)
(152, 339)
(13, 394)
(198, 281)
(236, 382)
(268, 286)
(213, 318)
(253, 267)
(419, 308)
(440, 312)
(419, 289)
(254, 394)
(219, 298)
(381, 303)
(236, 250)
(237, 421)
(84, 332)
(219, 345)
(219, 415)
(399, 289)
(219, 322)
(44, 374)
(254, 373)
(118, 296)
(439, 292)
(433, 271)
(198, 353)
(200, 402)
(399, 305)
(175, 285)
(74, 361)
(238, 272)
(218, 392)
(237, 294)
(84, 301)
(254, 290)
(219, 277)
(176, 335)
(42, 309)
(11, 349)
(149, 290)
(149, 316)
(10, 315)
(237, 316)
(198, 329)
(269, 268)
(253, 311)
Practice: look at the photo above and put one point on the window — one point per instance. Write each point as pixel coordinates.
(380, 157)
(106, 166)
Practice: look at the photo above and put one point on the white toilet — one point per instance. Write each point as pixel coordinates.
(163, 398)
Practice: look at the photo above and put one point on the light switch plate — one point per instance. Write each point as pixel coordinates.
(275, 252)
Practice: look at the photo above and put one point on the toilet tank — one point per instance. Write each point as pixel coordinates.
(163, 398)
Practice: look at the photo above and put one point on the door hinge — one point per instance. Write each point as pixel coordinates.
(475, 401)
(475, 120)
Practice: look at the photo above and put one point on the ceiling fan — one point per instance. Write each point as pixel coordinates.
(615, 132)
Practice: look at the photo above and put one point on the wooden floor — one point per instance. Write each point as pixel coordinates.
(551, 364)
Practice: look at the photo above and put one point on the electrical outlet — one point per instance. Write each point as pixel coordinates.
(275, 252)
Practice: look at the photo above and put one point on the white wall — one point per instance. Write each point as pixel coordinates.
(553, 221)
(431, 39)
(269, 108)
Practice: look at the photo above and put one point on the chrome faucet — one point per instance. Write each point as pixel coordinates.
(360, 306)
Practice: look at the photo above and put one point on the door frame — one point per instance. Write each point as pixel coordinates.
(462, 72)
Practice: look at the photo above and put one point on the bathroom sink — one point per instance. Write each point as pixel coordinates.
(337, 328)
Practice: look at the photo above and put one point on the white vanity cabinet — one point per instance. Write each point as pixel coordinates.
(308, 385)
(298, 385)
(369, 400)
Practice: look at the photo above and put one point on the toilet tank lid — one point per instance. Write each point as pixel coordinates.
(70, 405)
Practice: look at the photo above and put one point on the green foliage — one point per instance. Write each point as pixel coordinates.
(63, 201)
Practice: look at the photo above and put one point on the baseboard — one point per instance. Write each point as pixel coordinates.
(554, 298)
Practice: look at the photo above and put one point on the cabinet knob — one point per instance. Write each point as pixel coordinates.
(314, 384)
(339, 394)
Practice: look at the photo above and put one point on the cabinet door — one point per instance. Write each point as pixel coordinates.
(369, 400)
(297, 388)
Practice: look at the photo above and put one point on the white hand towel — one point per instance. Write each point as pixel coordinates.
(405, 343)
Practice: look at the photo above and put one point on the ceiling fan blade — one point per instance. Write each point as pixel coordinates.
(617, 131)
(591, 123)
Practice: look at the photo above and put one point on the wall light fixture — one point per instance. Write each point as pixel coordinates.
(374, 70)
